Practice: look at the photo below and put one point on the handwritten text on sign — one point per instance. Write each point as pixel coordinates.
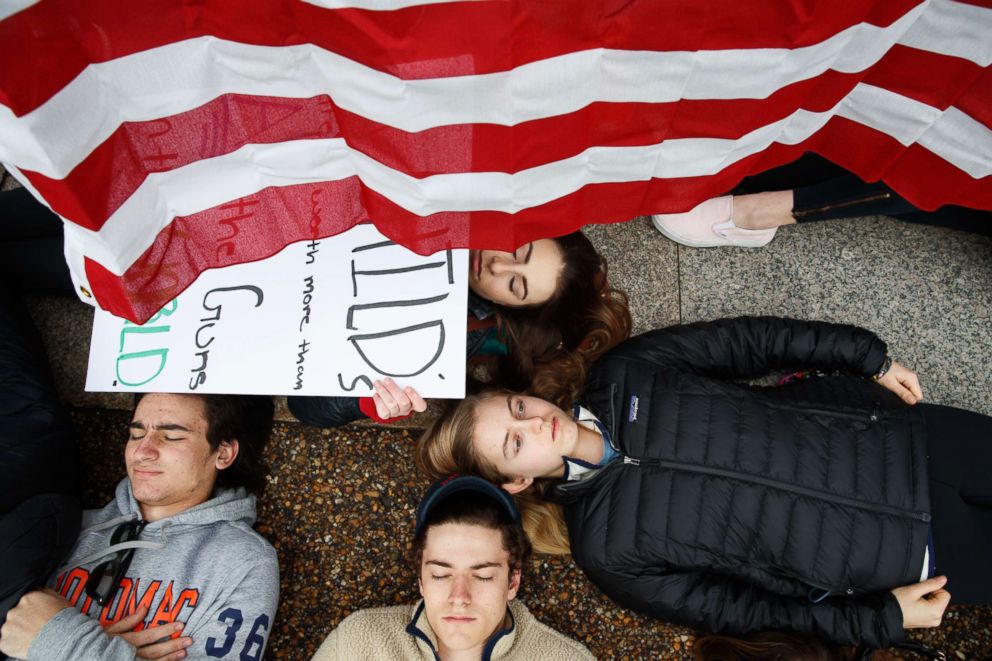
(321, 317)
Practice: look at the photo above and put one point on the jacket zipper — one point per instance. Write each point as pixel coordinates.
(870, 417)
(775, 484)
(842, 205)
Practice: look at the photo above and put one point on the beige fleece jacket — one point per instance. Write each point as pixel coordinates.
(381, 633)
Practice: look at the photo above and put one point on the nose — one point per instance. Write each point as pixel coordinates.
(501, 263)
(460, 594)
(535, 424)
(147, 449)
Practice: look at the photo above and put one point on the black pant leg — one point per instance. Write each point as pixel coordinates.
(824, 191)
(850, 197)
(806, 170)
(38, 451)
(35, 537)
(39, 504)
(959, 449)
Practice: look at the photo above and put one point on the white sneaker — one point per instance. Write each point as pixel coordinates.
(709, 225)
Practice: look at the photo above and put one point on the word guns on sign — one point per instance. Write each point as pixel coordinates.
(322, 317)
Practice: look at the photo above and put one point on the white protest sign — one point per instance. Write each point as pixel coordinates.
(321, 317)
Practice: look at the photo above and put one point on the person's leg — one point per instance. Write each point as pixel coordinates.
(37, 445)
(959, 448)
(750, 219)
(32, 255)
(39, 507)
(35, 537)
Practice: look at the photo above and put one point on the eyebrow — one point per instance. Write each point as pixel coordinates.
(506, 437)
(165, 427)
(481, 565)
(530, 250)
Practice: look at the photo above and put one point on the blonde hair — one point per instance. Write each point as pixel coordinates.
(446, 447)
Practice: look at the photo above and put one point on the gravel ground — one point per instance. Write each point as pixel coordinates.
(339, 510)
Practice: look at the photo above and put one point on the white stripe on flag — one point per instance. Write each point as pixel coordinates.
(951, 134)
(182, 76)
(954, 28)
(199, 186)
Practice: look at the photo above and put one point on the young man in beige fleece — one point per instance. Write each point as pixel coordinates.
(469, 552)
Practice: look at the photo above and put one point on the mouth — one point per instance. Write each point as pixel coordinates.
(477, 263)
(145, 472)
(458, 619)
(554, 429)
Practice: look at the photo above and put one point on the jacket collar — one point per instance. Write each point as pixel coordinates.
(420, 628)
(479, 307)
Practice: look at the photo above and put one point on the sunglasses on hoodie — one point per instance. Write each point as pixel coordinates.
(106, 577)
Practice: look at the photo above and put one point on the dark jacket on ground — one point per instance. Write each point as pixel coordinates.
(738, 508)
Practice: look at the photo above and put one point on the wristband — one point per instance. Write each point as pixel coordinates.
(886, 366)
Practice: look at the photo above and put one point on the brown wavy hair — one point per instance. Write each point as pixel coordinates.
(770, 646)
(553, 343)
(446, 447)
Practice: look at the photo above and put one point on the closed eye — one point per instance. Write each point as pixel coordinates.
(484, 578)
(516, 289)
(441, 577)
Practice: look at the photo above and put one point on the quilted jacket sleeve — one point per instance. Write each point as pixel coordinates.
(326, 411)
(722, 604)
(748, 347)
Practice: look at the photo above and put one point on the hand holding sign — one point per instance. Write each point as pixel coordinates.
(391, 401)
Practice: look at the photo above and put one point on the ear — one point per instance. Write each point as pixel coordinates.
(518, 484)
(511, 591)
(420, 585)
(227, 452)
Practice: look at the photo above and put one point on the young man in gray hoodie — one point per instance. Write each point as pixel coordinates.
(171, 568)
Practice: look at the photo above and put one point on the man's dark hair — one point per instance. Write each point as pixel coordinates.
(476, 509)
(247, 418)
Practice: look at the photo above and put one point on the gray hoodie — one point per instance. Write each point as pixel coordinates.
(205, 567)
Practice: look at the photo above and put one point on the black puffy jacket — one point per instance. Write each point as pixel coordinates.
(738, 508)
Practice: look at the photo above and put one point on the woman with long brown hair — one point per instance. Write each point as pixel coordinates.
(820, 506)
(545, 307)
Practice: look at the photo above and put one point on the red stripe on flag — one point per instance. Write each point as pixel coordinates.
(922, 177)
(113, 171)
(243, 230)
(901, 71)
(48, 44)
(978, 105)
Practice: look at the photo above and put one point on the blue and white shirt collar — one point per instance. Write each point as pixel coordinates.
(576, 469)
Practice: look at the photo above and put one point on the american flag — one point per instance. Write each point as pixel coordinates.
(176, 136)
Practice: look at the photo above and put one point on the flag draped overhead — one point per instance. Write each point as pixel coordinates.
(176, 136)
